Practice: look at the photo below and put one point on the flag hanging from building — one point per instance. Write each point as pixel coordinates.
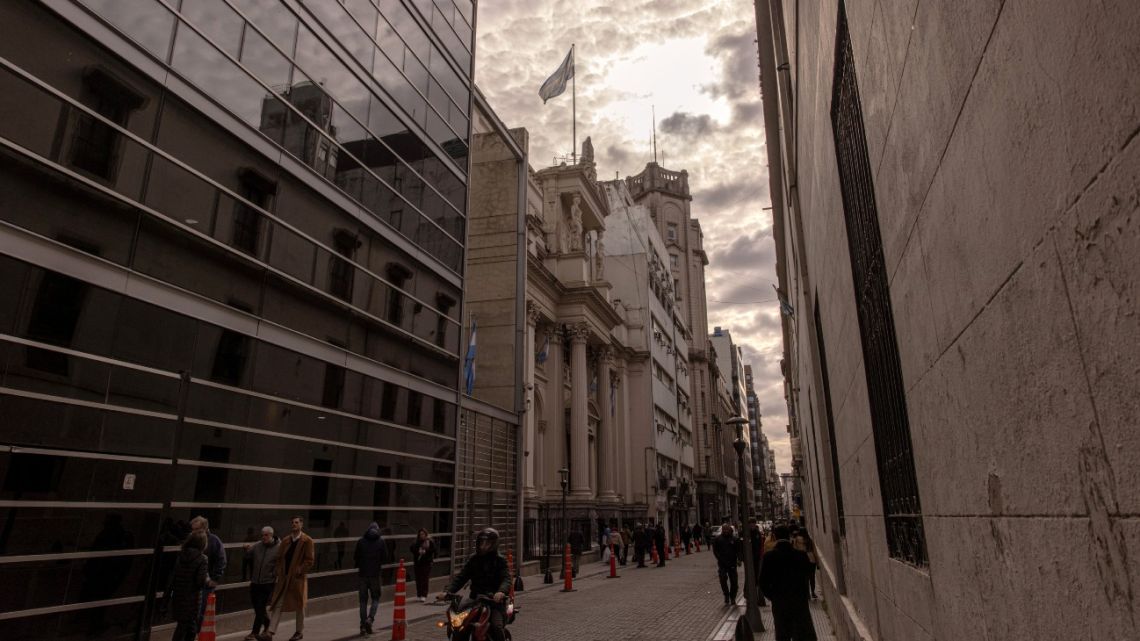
(555, 85)
(469, 362)
(785, 307)
(544, 353)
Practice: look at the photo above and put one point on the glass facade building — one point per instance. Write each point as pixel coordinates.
(231, 273)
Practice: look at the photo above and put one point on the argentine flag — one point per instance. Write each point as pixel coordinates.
(469, 362)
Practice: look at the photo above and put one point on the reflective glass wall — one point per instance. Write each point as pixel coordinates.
(230, 253)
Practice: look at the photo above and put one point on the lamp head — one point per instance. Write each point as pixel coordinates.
(565, 477)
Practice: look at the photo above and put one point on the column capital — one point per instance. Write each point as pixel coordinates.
(578, 332)
(533, 312)
(606, 355)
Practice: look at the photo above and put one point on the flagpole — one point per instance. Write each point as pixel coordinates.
(574, 101)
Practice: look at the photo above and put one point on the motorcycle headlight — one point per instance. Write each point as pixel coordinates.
(458, 619)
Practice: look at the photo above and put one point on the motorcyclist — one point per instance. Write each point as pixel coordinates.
(488, 574)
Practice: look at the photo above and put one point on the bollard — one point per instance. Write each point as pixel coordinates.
(653, 554)
(613, 563)
(399, 617)
(208, 632)
(567, 571)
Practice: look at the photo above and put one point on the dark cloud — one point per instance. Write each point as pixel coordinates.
(753, 251)
(747, 113)
(688, 125)
(733, 193)
(741, 73)
(619, 156)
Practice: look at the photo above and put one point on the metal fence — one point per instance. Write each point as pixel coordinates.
(890, 423)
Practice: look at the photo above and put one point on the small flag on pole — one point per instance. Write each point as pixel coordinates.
(469, 362)
(555, 85)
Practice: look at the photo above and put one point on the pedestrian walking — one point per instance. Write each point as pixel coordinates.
(216, 556)
(784, 580)
(697, 532)
(187, 584)
(368, 559)
(726, 549)
(640, 543)
(802, 542)
(291, 592)
(577, 544)
(423, 555)
(261, 557)
(626, 541)
(686, 536)
(659, 539)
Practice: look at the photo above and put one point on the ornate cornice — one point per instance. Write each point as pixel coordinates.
(578, 332)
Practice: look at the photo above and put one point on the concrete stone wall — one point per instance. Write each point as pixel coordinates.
(1003, 140)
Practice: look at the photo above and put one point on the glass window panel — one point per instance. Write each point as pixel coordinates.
(223, 81)
(292, 253)
(53, 583)
(319, 63)
(143, 390)
(265, 62)
(178, 258)
(49, 372)
(416, 72)
(40, 530)
(213, 404)
(69, 313)
(31, 115)
(180, 194)
(114, 621)
(287, 374)
(407, 28)
(150, 335)
(147, 22)
(344, 29)
(62, 210)
(217, 20)
(278, 23)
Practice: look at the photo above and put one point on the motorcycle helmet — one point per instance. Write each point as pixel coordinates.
(487, 534)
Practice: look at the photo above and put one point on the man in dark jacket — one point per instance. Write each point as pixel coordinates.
(659, 540)
(640, 544)
(697, 532)
(784, 580)
(261, 561)
(727, 550)
(489, 576)
(368, 558)
(216, 555)
(577, 544)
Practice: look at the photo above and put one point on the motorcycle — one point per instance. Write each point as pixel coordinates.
(470, 620)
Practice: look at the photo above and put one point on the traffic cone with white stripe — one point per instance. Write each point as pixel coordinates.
(399, 616)
(208, 631)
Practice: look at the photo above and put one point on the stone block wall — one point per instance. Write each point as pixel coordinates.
(1003, 139)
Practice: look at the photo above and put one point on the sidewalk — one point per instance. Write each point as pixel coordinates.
(345, 624)
(819, 617)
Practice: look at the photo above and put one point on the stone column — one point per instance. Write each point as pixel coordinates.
(579, 413)
(532, 316)
(553, 436)
(607, 444)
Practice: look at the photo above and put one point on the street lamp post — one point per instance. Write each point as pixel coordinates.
(547, 578)
(751, 610)
(565, 478)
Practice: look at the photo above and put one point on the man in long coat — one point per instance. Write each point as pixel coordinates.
(291, 593)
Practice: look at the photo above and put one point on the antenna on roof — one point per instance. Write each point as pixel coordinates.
(654, 133)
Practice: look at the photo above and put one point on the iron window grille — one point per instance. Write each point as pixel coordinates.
(894, 455)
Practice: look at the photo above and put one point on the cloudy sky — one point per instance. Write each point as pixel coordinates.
(695, 61)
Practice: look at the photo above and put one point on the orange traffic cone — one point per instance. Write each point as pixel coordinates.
(511, 572)
(567, 570)
(399, 617)
(698, 545)
(653, 555)
(208, 633)
(665, 552)
(613, 563)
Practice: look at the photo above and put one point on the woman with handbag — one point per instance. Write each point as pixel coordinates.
(423, 555)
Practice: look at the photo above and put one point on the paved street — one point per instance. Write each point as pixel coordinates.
(680, 602)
